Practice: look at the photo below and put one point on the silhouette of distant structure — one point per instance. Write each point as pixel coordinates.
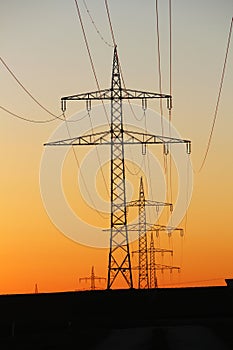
(147, 269)
(92, 278)
(141, 203)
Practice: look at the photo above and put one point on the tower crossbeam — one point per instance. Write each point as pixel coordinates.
(106, 94)
(130, 137)
(153, 228)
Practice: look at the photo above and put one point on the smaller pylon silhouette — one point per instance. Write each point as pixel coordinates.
(154, 266)
(147, 270)
(142, 203)
(36, 289)
(92, 278)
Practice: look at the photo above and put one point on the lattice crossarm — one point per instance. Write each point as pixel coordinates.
(86, 96)
(140, 95)
(99, 138)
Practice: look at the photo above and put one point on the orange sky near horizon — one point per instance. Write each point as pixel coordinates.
(44, 47)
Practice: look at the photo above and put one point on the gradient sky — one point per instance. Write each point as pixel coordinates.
(42, 43)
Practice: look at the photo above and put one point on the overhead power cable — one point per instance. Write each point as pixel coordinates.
(168, 182)
(98, 87)
(82, 176)
(42, 121)
(96, 28)
(170, 93)
(60, 117)
(170, 53)
(218, 98)
(192, 282)
(26, 90)
(55, 117)
(110, 23)
(159, 63)
(90, 56)
(27, 119)
(160, 79)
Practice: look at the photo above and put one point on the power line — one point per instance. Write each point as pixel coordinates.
(131, 108)
(41, 121)
(97, 83)
(218, 99)
(191, 282)
(96, 28)
(81, 174)
(90, 56)
(187, 193)
(144, 115)
(36, 101)
(26, 90)
(159, 62)
(160, 80)
(55, 117)
(98, 156)
(168, 181)
(148, 162)
(26, 119)
(110, 23)
(136, 172)
(170, 93)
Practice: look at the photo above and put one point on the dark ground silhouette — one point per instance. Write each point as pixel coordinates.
(174, 318)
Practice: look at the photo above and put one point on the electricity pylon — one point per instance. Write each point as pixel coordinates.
(117, 137)
(141, 203)
(144, 281)
(92, 278)
(152, 250)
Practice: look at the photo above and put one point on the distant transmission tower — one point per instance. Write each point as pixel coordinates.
(147, 271)
(141, 203)
(155, 266)
(92, 278)
(119, 263)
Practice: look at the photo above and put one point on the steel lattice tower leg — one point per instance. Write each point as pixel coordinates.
(143, 281)
(153, 278)
(119, 255)
(92, 278)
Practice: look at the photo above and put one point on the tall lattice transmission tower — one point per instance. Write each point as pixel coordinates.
(119, 262)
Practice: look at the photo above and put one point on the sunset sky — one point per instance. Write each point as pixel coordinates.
(42, 43)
